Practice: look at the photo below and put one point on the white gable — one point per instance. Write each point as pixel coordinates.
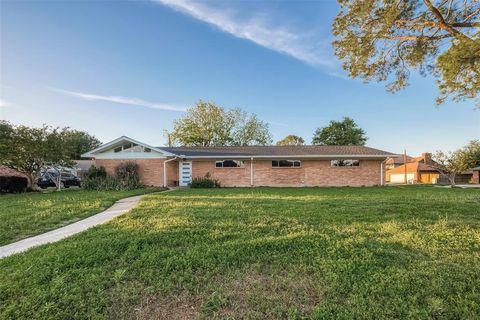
(126, 148)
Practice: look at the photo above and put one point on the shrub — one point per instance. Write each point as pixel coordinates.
(13, 184)
(205, 182)
(96, 172)
(111, 184)
(127, 170)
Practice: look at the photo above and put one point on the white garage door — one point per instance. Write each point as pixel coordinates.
(400, 178)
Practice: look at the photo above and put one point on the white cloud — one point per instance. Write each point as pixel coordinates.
(4, 103)
(120, 100)
(280, 39)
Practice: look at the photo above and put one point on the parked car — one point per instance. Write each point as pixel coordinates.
(67, 180)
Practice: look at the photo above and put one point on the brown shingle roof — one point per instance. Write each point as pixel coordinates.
(277, 151)
(413, 167)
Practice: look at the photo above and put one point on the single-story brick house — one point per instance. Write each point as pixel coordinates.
(247, 166)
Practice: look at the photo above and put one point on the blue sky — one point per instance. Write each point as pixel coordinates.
(131, 68)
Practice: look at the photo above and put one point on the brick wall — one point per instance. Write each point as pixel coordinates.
(228, 177)
(311, 173)
(150, 170)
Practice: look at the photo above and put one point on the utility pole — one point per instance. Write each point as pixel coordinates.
(405, 164)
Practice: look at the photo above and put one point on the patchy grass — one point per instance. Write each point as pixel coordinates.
(368, 253)
(27, 214)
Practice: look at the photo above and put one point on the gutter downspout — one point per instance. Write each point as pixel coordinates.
(165, 170)
(251, 171)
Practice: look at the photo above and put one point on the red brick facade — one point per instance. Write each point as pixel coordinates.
(311, 173)
(150, 170)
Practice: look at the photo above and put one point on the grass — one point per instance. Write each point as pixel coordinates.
(344, 253)
(28, 214)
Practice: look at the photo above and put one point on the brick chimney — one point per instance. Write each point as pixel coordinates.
(427, 157)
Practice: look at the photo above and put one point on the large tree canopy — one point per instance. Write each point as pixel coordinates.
(80, 142)
(384, 40)
(291, 140)
(28, 150)
(345, 132)
(207, 124)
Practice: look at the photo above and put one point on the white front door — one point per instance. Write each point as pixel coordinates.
(185, 173)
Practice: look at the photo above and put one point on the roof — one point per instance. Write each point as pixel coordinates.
(399, 160)
(274, 151)
(476, 168)
(413, 167)
(120, 141)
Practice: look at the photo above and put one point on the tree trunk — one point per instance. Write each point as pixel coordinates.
(451, 177)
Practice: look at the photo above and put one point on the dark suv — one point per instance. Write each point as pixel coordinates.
(67, 180)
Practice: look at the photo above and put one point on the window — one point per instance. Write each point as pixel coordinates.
(286, 163)
(345, 163)
(117, 149)
(229, 164)
(147, 149)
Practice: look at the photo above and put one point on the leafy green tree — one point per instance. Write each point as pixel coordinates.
(291, 140)
(207, 124)
(80, 142)
(384, 40)
(452, 163)
(28, 150)
(345, 132)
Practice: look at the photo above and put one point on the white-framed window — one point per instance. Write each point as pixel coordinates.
(131, 147)
(286, 163)
(345, 163)
(229, 164)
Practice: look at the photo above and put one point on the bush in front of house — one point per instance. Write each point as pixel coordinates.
(126, 178)
(205, 182)
(127, 170)
(96, 172)
(110, 184)
(13, 184)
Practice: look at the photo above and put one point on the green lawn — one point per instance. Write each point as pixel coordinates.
(28, 214)
(345, 253)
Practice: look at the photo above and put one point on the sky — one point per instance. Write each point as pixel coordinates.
(115, 68)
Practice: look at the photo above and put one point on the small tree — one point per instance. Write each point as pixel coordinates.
(291, 140)
(345, 132)
(452, 163)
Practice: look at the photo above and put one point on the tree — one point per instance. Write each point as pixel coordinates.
(207, 124)
(450, 164)
(80, 142)
(291, 140)
(28, 150)
(345, 132)
(384, 40)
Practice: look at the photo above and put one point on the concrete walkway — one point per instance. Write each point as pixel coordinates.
(120, 207)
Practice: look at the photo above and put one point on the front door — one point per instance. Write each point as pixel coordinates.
(185, 173)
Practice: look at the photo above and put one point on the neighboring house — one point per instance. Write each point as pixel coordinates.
(416, 172)
(476, 175)
(247, 166)
(397, 161)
